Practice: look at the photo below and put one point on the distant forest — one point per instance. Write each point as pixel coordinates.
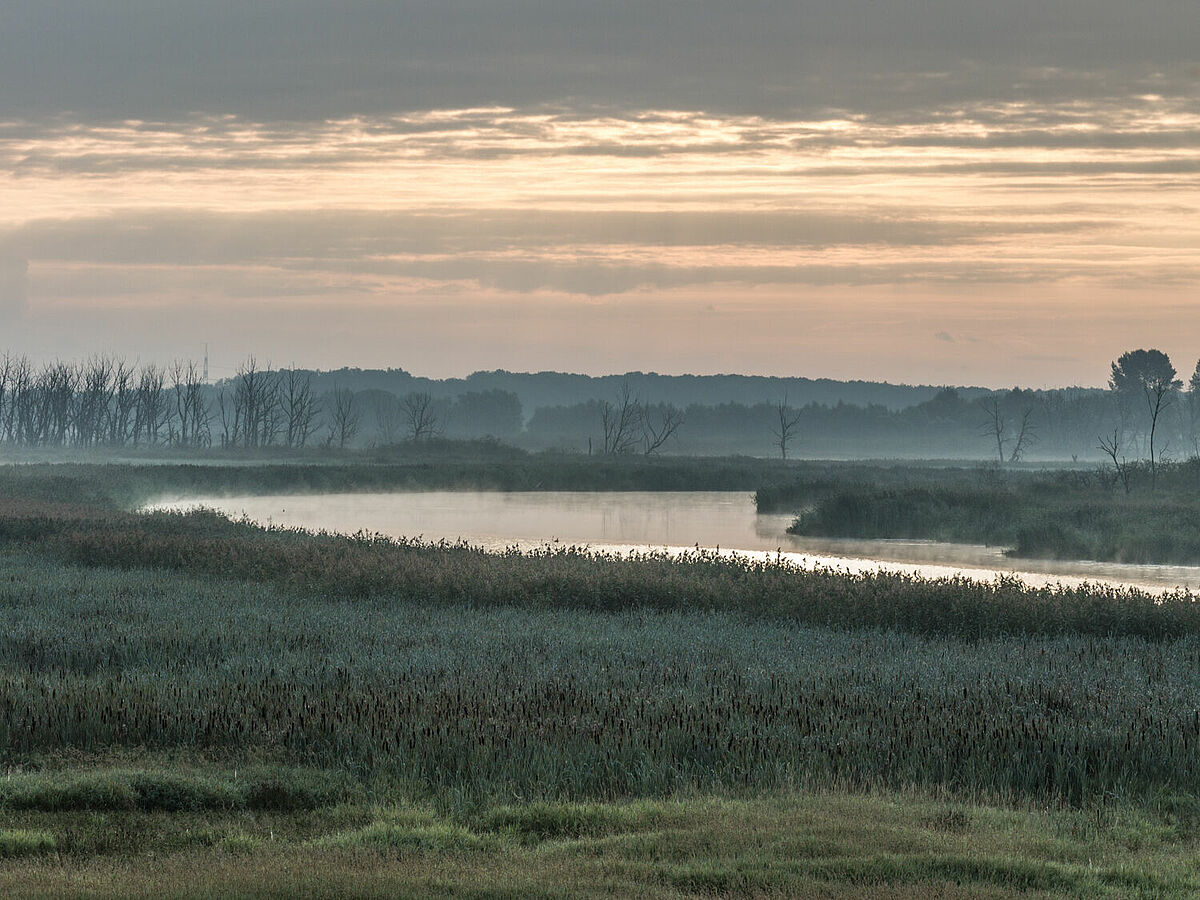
(105, 402)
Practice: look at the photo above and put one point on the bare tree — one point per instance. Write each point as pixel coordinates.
(257, 410)
(16, 398)
(1026, 435)
(54, 403)
(1111, 446)
(191, 411)
(344, 417)
(787, 423)
(125, 395)
(420, 415)
(202, 414)
(151, 410)
(659, 424)
(997, 423)
(621, 422)
(229, 415)
(299, 406)
(92, 400)
(20, 387)
(247, 401)
(272, 423)
(6, 371)
(181, 407)
(389, 413)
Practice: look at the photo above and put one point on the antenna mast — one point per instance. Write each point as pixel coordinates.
(206, 362)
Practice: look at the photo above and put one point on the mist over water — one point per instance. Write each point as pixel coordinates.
(637, 521)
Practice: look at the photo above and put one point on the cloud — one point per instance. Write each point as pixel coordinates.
(313, 59)
(853, 332)
(497, 197)
(165, 154)
(1112, 134)
(589, 252)
(199, 236)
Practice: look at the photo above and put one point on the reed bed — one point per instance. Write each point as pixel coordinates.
(366, 566)
(462, 704)
(462, 676)
(1069, 514)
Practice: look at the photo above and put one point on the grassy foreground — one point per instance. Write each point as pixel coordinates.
(813, 844)
(461, 704)
(194, 706)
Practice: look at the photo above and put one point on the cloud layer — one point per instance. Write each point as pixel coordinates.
(312, 59)
(858, 169)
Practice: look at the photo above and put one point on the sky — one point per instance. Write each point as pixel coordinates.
(922, 191)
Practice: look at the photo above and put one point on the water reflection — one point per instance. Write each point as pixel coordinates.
(634, 520)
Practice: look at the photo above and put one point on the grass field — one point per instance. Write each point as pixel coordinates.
(815, 844)
(194, 706)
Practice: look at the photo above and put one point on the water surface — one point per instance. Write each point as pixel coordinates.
(622, 521)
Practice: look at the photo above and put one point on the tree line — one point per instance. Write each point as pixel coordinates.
(1147, 413)
(106, 401)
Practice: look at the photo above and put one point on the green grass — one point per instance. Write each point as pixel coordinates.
(17, 842)
(470, 676)
(809, 844)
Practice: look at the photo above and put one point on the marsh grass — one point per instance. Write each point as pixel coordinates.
(1056, 515)
(371, 565)
(466, 675)
(462, 704)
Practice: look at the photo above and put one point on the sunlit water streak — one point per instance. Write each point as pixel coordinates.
(636, 521)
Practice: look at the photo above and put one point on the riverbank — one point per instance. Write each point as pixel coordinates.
(1084, 515)
(127, 484)
(449, 465)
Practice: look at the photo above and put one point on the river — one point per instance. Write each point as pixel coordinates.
(635, 520)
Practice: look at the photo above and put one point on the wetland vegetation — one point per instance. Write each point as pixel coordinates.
(1132, 516)
(237, 700)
